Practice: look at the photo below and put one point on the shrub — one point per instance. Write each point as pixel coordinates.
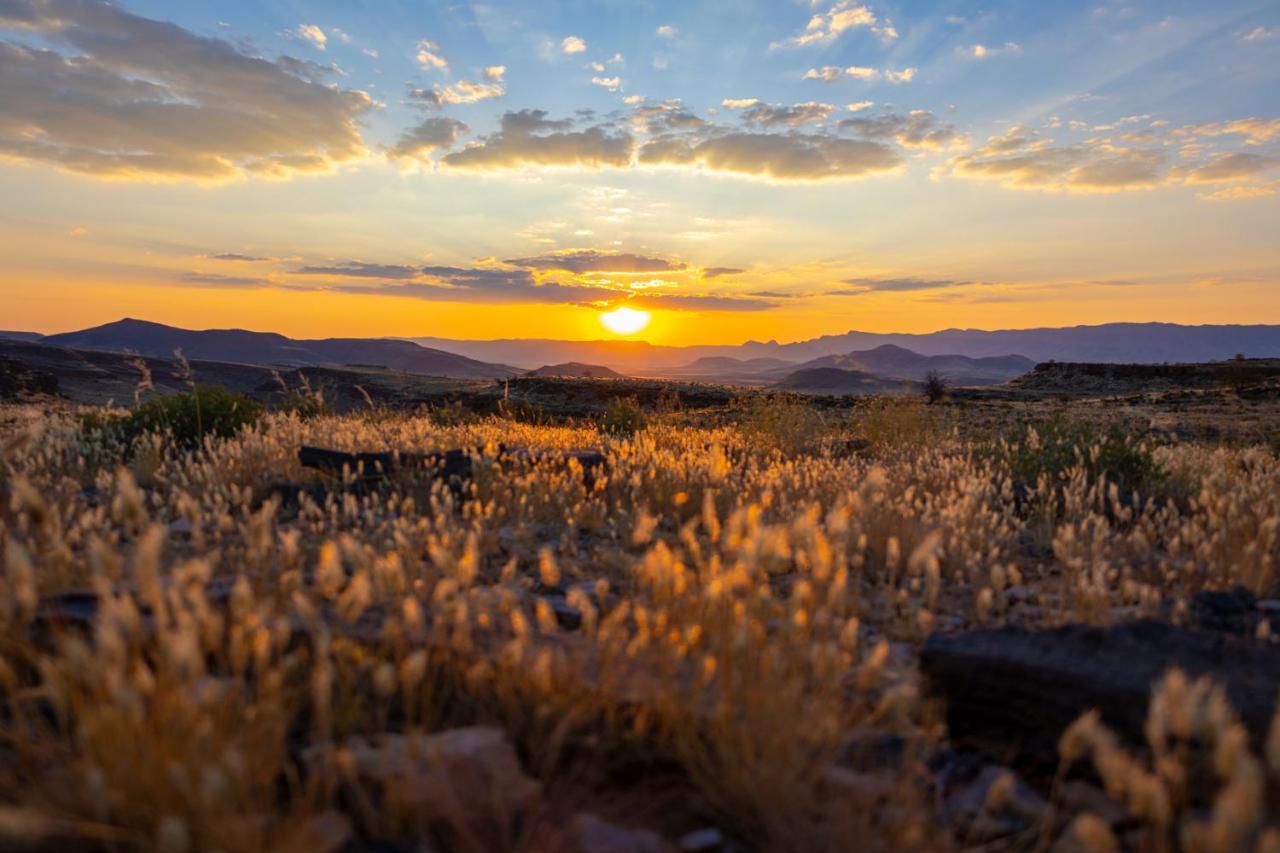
(780, 421)
(895, 422)
(305, 404)
(1056, 447)
(451, 414)
(189, 417)
(622, 417)
(935, 387)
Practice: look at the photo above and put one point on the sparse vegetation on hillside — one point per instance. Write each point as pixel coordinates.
(713, 633)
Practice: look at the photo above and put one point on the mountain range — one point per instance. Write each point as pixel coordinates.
(1130, 343)
(242, 347)
(962, 356)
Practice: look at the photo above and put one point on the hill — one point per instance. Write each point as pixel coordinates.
(895, 362)
(837, 381)
(575, 370)
(1094, 380)
(19, 336)
(245, 347)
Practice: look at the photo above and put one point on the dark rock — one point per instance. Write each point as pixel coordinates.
(1229, 611)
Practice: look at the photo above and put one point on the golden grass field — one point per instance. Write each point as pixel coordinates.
(695, 641)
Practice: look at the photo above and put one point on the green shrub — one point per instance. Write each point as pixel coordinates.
(188, 418)
(780, 421)
(622, 417)
(1058, 446)
(304, 404)
(452, 413)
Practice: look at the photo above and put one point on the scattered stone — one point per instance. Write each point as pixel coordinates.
(593, 834)
(702, 840)
(1078, 796)
(468, 772)
(995, 804)
(180, 527)
(1018, 593)
(1269, 605)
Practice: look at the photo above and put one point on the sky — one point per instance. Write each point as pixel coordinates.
(738, 169)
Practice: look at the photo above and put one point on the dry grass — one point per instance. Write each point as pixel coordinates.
(749, 602)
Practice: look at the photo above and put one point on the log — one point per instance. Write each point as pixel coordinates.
(1011, 692)
(445, 464)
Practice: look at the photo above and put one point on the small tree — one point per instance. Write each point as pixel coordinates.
(1237, 374)
(935, 387)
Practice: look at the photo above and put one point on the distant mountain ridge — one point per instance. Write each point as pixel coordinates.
(894, 362)
(244, 347)
(1131, 343)
(575, 370)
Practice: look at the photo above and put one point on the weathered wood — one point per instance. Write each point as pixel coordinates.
(1011, 692)
(445, 464)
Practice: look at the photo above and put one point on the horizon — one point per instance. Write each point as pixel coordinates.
(506, 171)
(639, 341)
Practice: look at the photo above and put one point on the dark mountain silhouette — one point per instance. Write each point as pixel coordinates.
(1141, 343)
(243, 347)
(895, 362)
(576, 370)
(834, 380)
(20, 336)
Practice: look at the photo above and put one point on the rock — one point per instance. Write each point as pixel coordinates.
(1010, 690)
(1268, 605)
(1223, 610)
(471, 773)
(995, 804)
(1018, 593)
(862, 786)
(1078, 796)
(701, 840)
(592, 834)
(180, 527)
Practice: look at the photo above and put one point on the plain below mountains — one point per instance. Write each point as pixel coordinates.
(267, 348)
(1131, 343)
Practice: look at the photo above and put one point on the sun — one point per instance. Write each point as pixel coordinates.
(625, 321)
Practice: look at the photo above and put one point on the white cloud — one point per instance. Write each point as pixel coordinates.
(826, 27)
(832, 73)
(632, 100)
(572, 44)
(340, 35)
(1261, 34)
(494, 73)
(428, 56)
(313, 34)
(906, 75)
(613, 84)
(667, 31)
(739, 103)
(859, 106)
(112, 94)
(982, 51)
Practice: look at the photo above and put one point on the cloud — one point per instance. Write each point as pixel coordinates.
(916, 129)
(1233, 166)
(826, 27)
(465, 92)
(1020, 160)
(1255, 131)
(432, 135)
(982, 51)
(862, 286)
(147, 99)
(832, 73)
(594, 260)
(700, 302)
(313, 34)
(360, 269)
(573, 44)
(1237, 193)
(495, 73)
(234, 256)
(667, 31)
(767, 115)
(214, 280)
(716, 272)
(528, 138)
(429, 57)
(859, 106)
(613, 84)
(784, 157)
(665, 117)
(1261, 34)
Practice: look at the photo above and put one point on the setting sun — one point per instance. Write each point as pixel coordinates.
(625, 321)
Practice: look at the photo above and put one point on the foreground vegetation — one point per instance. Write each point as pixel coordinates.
(714, 638)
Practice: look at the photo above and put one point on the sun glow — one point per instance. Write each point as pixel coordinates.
(625, 321)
